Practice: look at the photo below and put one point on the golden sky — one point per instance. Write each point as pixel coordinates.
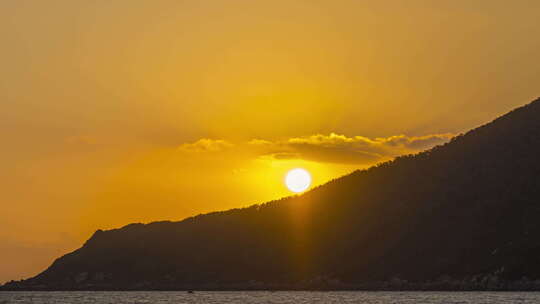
(125, 111)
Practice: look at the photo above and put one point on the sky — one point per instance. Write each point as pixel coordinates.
(114, 112)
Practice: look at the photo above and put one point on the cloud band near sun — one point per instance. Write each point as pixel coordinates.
(331, 148)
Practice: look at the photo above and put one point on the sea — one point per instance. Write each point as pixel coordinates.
(247, 297)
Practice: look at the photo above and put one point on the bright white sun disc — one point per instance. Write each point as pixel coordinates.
(298, 180)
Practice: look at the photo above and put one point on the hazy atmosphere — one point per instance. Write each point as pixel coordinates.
(116, 112)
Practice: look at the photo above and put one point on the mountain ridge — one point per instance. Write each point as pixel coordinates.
(469, 208)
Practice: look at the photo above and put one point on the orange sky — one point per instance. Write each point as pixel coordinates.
(133, 111)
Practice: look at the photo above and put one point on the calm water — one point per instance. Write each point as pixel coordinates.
(295, 297)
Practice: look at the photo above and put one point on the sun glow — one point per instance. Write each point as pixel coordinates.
(298, 180)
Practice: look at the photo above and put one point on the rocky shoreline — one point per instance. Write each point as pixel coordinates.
(488, 282)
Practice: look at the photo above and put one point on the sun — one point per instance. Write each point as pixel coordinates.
(298, 180)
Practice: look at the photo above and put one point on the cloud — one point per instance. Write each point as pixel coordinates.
(418, 142)
(338, 148)
(206, 145)
(332, 148)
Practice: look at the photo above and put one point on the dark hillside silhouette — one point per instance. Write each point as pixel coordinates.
(465, 215)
